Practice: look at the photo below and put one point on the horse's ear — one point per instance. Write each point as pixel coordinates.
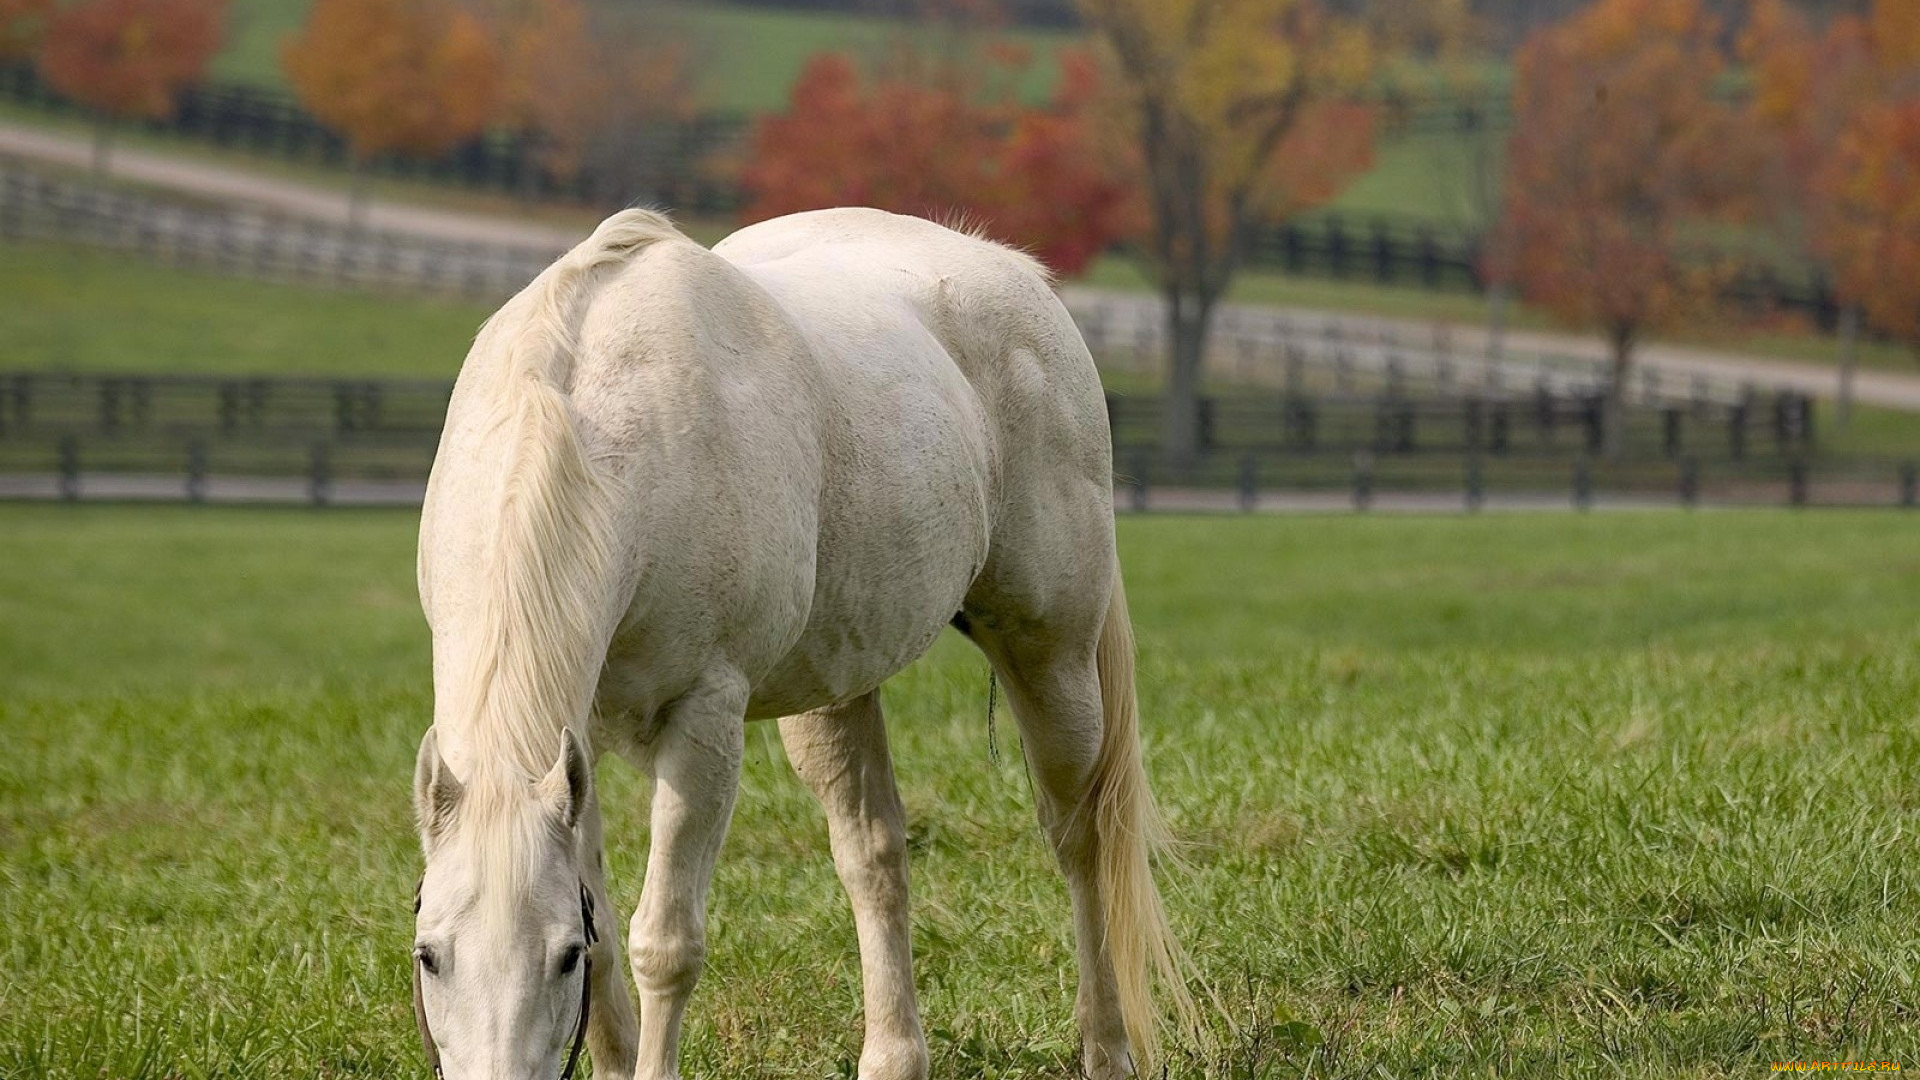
(565, 787)
(436, 791)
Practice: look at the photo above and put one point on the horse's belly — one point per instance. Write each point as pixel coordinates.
(903, 534)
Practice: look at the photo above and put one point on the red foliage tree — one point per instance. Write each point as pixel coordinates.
(944, 147)
(1621, 152)
(129, 59)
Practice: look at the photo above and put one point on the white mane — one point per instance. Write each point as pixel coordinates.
(545, 560)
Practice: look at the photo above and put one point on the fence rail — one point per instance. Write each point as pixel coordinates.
(258, 245)
(680, 163)
(190, 435)
(1251, 347)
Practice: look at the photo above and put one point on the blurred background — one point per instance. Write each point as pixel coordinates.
(1499, 794)
(1327, 253)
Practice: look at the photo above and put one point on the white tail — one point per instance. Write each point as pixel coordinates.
(1139, 942)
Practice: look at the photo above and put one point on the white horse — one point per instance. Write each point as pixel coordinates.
(682, 489)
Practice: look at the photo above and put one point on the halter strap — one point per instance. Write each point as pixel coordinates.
(586, 990)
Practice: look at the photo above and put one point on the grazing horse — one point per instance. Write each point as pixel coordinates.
(680, 489)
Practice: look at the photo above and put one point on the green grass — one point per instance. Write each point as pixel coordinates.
(1623, 795)
(64, 308)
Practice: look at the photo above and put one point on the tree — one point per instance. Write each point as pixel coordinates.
(578, 88)
(1839, 106)
(411, 77)
(945, 143)
(22, 24)
(1871, 191)
(129, 59)
(1621, 154)
(1236, 110)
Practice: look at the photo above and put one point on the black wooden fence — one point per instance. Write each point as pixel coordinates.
(316, 434)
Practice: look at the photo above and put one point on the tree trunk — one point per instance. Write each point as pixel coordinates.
(102, 147)
(1613, 419)
(1497, 320)
(357, 194)
(1187, 318)
(1849, 361)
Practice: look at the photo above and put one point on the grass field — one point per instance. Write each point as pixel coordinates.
(1625, 795)
(65, 308)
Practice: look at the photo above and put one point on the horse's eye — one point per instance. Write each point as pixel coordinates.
(425, 958)
(571, 959)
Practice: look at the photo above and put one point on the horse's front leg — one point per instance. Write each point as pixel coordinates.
(612, 1032)
(841, 753)
(696, 772)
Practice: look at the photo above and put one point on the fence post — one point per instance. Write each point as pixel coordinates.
(1362, 480)
(1909, 484)
(1204, 410)
(1689, 482)
(196, 471)
(1139, 472)
(1583, 483)
(320, 476)
(1797, 482)
(1670, 431)
(1249, 482)
(69, 467)
(1476, 484)
(109, 405)
(1302, 423)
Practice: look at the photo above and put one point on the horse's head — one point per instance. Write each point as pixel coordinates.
(504, 920)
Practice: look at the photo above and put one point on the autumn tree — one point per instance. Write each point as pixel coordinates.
(414, 77)
(942, 142)
(129, 59)
(1839, 104)
(1620, 155)
(1239, 112)
(22, 24)
(577, 87)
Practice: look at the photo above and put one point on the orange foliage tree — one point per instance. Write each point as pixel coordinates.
(1238, 113)
(129, 59)
(1841, 106)
(945, 146)
(1870, 194)
(413, 77)
(1620, 154)
(22, 24)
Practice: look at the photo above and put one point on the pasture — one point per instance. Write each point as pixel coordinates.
(1550, 795)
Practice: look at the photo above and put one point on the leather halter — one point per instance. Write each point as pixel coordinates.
(586, 990)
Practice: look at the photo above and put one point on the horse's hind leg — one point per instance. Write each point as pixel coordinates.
(841, 754)
(1053, 685)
